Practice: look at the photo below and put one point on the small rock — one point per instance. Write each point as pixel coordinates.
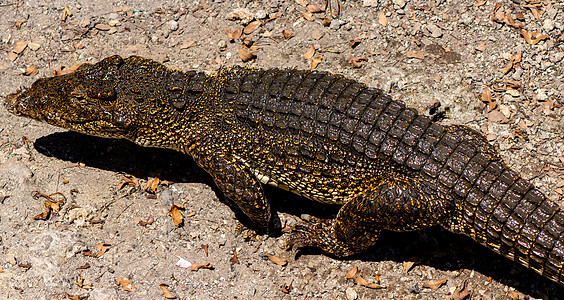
(261, 14)
(434, 31)
(10, 258)
(222, 45)
(351, 294)
(399, 3)
(548, 24)
(541, 95)
(172, 25)
(370, 3)
(103, 294)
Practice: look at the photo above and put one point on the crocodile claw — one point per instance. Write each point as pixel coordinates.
(318, 233)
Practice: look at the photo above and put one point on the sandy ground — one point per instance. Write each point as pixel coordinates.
(438, 56)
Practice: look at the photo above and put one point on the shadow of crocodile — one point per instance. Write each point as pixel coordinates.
(432, 247)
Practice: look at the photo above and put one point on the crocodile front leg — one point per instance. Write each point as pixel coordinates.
(394, 204)
(238, 183)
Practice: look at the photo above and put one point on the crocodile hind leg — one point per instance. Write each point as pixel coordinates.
(238, 183)
(397, 205)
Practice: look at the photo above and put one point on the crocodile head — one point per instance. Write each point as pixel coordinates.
(85, 101)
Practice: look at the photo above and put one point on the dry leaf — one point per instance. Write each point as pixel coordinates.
(102, 248)
(277, 260)
(151, 185)
(435, 283)
(197, 266)
(314, 62)
(19, 24)
(312, 8)
(326, 22)
(66, 13)
(309, 53)
(103, 27)
(481, 47)
(357, 61)
(254, 25)
(19, 47)
(235, 34)
(83, 267)
(361, 281)
(479, 3)
(307, 15)
(205, 247)
(407, 265)
(302, 2)
(234, 259)
(80, 283)
(498, 15)
(62, 71)
(352, 272)
(415, 54)
(166, 292)
(487, 98)
(12, 56)
(145, 223)
(187, 44)
(286, 289)
(176, 215)
(532, 37)
(382, 19)
(287, 34)
(246, 55)
(461, 292)
(126, 284)
(43, 216)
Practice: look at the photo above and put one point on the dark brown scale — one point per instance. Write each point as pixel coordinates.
(320, 135)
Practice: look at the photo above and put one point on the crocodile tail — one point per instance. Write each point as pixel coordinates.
(507, 214)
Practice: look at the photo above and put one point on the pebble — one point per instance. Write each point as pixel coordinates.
(434, 30)
(548, 24)
(172, 25)
(351, 293)
(261, 14)
(370, 3)
(399, 3)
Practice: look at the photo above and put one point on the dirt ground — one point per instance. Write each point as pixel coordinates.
(437, 56)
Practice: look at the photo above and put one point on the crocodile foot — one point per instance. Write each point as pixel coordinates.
(319, 233)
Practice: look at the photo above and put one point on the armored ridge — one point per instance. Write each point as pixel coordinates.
(323, 136)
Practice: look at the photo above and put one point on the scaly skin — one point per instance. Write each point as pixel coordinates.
(322, 136)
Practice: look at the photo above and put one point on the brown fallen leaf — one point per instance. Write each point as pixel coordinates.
(314, 62)
(382, 19)
(302, 2)
(12, 56)
(167, 294)
(72, 297)
(479, 3)
(19, 24)
(197, 266)
(176, 214)
(83, 267)
(31, 71)
(361, 281)
(352, 272)
(126, 284)
(254, 25)
(80, 284)
(103, 27)
(287, 34)
(312, 8)
(19, 47)
(461, 292)
(326, 22)
(66, 13)
(307, 15)
(246, 55)
(435, 283)
(61, 71)
(151, 185)
(487, 98)
(145, 223)
(309, 53)
(43, 216)
(233, 35)
(102, 248)
(286, 289)
(277, 260)
(532, 38)
(234, 259)
(356, 61)
(407, 265)
(415, 54)
(481, 47)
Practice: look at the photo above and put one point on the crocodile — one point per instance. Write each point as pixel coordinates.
(322, 136)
